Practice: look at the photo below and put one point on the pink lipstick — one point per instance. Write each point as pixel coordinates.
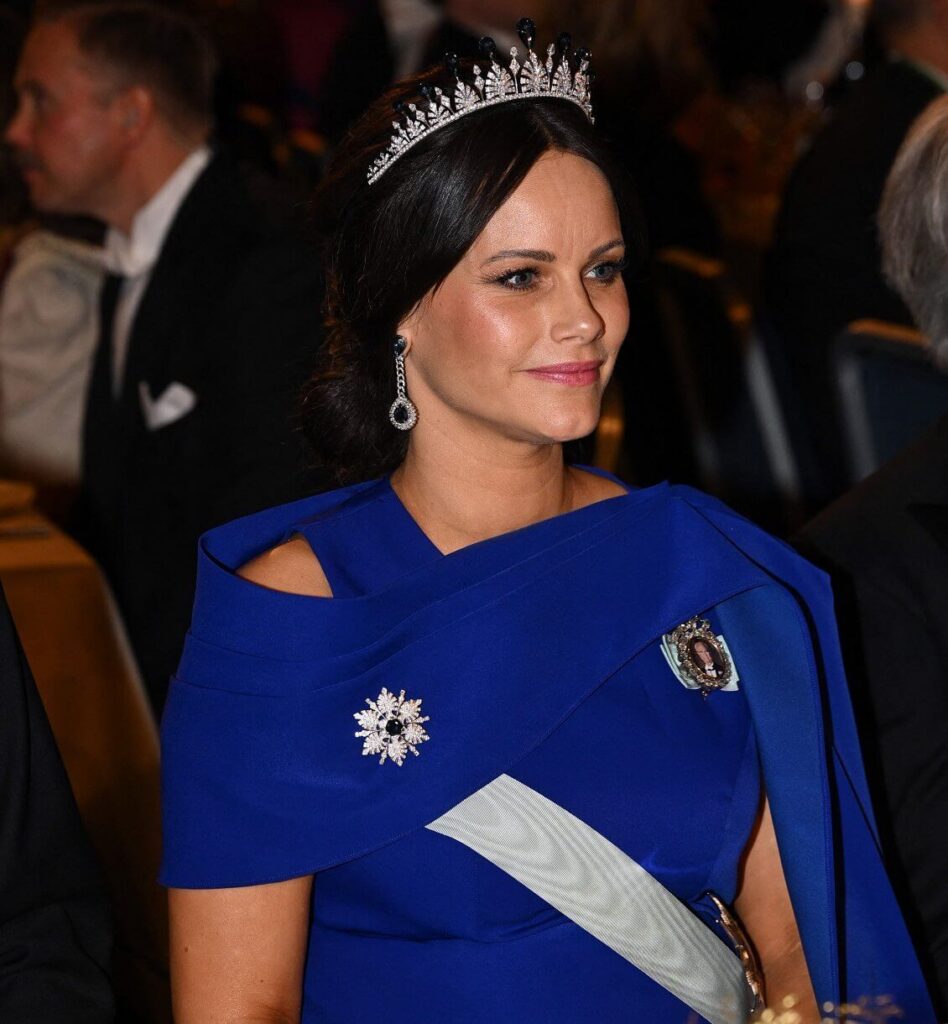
(576, 375)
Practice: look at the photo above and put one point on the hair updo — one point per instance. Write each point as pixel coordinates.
(387, 245)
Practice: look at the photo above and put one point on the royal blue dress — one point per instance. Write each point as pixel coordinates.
(265, 779)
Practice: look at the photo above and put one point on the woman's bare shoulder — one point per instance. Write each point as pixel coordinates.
(291, 567)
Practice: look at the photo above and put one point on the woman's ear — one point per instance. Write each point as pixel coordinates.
(410, 324)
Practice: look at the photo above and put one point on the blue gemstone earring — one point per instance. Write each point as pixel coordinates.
(403, 414)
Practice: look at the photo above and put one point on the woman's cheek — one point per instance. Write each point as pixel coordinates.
(615, 314)
(494, 336)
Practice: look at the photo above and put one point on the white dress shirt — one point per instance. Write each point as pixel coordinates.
(134, 256)
(49, 324)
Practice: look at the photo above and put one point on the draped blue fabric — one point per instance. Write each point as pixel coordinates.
(536, 655)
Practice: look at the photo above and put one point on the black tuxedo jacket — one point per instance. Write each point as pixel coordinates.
(55, 932)
(886, 546)
(824, 269)
(232, 312)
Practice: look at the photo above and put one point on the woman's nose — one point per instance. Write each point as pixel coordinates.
(576, 316)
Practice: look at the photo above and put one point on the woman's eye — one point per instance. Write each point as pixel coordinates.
(518, 279)
(527, 277)
(606, 272)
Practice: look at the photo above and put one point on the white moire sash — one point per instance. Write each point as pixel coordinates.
(588, 879)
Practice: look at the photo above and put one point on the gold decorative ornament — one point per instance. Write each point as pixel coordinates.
(701, 656)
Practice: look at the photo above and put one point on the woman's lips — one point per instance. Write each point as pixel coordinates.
(575, 375)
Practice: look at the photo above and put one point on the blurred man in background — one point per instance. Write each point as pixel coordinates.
(50, 277)
(209, 318)
(824, 270)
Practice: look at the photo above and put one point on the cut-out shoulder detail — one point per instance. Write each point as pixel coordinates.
(291, 567)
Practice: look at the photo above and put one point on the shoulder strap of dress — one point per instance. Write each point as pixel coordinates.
(368, 542)
(329, 535)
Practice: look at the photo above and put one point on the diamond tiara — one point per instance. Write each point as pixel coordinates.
(552, 79)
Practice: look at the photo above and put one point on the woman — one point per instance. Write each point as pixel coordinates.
(533, 819)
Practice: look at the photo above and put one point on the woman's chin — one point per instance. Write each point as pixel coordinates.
(574, 430)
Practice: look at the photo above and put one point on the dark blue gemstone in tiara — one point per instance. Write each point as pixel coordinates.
(527, 30)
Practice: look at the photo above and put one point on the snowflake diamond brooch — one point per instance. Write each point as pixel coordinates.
(391, 727)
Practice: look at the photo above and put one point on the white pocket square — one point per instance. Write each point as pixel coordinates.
(176, 401)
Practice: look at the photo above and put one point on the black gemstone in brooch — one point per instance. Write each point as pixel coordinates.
(391, 727)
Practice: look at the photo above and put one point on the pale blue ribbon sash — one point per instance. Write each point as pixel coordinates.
(592, 882)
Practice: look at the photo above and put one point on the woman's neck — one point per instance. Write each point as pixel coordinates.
(459, 498)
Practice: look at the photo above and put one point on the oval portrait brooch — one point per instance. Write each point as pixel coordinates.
(701, 656)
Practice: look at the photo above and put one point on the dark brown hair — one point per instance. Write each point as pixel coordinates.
(147, 44)
(388, 244)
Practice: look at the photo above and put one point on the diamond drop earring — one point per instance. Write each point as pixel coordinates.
(403, 414)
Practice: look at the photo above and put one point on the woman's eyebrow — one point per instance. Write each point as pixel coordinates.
(544, 256)
(541, 255)
(616, 243)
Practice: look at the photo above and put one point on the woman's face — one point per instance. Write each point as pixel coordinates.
(522, 336)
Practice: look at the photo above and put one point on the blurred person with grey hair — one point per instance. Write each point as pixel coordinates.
(885, 543)
(913, 226)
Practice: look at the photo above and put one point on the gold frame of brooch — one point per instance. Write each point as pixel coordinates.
(711, 673)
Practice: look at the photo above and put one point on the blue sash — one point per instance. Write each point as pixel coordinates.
(264, 781)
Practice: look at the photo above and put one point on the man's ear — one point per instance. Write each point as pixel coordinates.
(135, 110)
